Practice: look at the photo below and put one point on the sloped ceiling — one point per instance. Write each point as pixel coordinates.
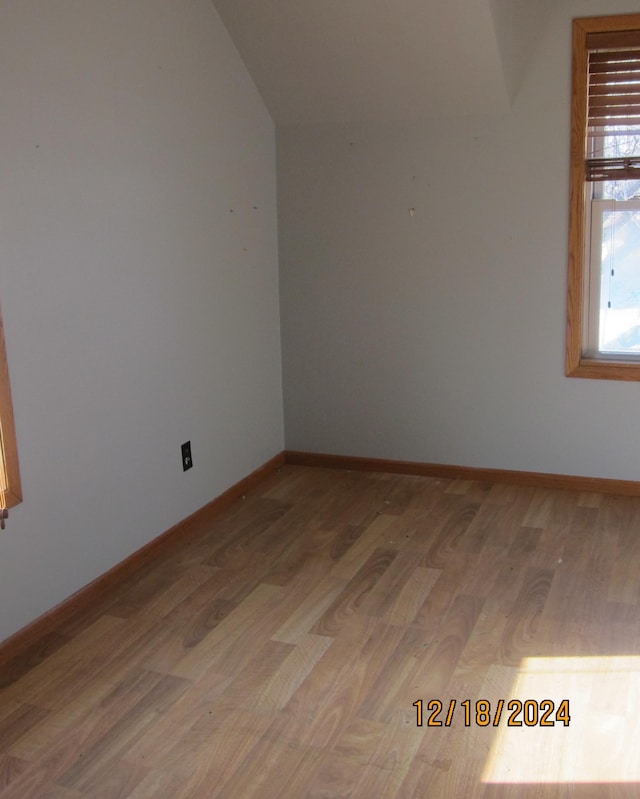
(340, 61)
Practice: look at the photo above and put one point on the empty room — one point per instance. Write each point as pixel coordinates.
(319, 342)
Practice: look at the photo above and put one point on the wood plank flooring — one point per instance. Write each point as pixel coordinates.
(282, 651)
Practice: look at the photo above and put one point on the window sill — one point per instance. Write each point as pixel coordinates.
(605, 369)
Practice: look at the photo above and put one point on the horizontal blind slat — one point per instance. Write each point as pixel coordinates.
(597, 169)
(609, 40)
(619, 89)
(606, 78)
(612, 55)
(613, 102)
(619, 117)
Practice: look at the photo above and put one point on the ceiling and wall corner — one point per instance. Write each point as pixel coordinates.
(345, 61)
(519, 25)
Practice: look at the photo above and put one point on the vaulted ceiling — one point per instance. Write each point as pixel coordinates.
(340, 61)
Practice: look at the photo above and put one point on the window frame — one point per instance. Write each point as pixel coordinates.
(578, 363)
(8, 440)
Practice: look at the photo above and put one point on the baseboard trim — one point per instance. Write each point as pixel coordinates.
(599, 485)
(34, 632)
(30, 635)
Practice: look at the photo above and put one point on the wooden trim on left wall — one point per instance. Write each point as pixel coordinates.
(8, 429)
(30, 635)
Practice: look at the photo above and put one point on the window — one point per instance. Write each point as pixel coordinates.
(10, 487)
(603, 310)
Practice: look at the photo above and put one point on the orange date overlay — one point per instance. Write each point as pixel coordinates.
(515, 713)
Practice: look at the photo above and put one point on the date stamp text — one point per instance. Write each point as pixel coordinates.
(515, 713)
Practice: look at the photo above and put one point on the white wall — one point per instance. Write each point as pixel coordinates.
(139, 310)
(440, 337)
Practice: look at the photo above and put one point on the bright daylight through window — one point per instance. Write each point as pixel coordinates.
(603, 330)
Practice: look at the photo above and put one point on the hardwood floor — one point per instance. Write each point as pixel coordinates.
(283, 653)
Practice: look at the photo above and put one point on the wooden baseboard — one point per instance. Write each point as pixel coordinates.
(598, 485)
(31, 634)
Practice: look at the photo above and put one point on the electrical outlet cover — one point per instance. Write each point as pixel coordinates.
(187, 463)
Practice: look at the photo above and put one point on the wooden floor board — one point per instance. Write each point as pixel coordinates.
(286, 649)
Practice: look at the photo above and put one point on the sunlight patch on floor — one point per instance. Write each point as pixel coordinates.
(600, 744)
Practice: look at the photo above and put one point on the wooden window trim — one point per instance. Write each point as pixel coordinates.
(577, 364)
(13, 495)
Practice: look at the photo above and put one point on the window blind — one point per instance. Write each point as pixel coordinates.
(613, 106)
